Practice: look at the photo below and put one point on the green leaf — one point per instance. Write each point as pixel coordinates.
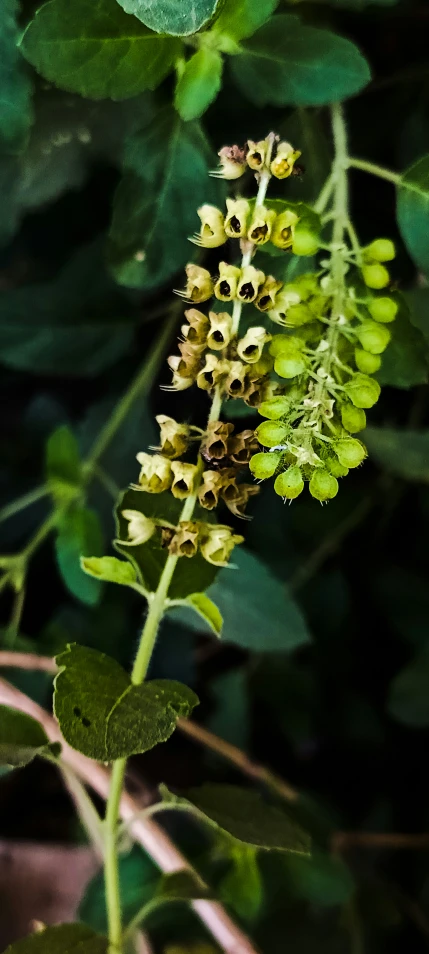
(76, 324)
(79, 534)
(242, 886)
(408, 700)
(102, 714)
(21, 738)
(15, 89)
(258, 613)
(418, 303)
(138, 879)
(149, 558)
(181, 886)
(208, 610)
(286, 63)
(405, 453)
(323, 879)
(170, 16)
(404, 363)
(413, 211)
(61, 939)
(110, 570)
(245, 816)
(63, 465)
(238, 19)
(93, 48)
(199, 83)
(154, 212)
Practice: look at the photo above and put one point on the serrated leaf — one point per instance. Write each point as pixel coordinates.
(21, 738)
(93, 48)
(245, 816)
(404, 363)
(170, 16)
(15, 87)
(110, 570)
(102, 714)
(408, 700)
(238, 19)
(205, 607)
(79, 534)
(61, 939)
(63, 464)
(287, 63)
(154, 213)
(149, 558)
(413, 211)
(403, 452)
(199, 84)
(181, 886)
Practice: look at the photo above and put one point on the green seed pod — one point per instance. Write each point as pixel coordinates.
(271, 433)
(350, 452)
(353, 418)
(304, 242)
(375, 275)
(323, 486)
(299, 315)
(274, 408)
(383, 309)
(280, 344)
(289, 364)
(366, 362)
(284, 229)
(362, 390)
(263, 466)
(373, 337)
(381, 250)
(289, 484)
(334, 467)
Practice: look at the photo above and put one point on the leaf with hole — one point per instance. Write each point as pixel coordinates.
(102, 714)
(22, 738)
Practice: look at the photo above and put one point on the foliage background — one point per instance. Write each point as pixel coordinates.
(324, 669)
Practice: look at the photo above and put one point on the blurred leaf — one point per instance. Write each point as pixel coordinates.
(323, 879)
(15, 89)
(404, 363)
(102, 714)
(137, 432)
(405, 453)
(403, 598)
(79, 534)
(61, 939)
(93, 48)
(241, 888)
(207, 609)
(287, 63)
(245, 816)
(238, 19)
(154, 212)
(110, 570)
(168, 16)
(418, 303)
(150, 558)
(21, 738)
(408, 700)
(199, 83)
(305, 129)
(76, 324)
(181, 886)
(138, 879)
(63, 465)
(231, 719)
(413, 211)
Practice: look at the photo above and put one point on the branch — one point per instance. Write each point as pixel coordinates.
(146, 832)
(343, 840)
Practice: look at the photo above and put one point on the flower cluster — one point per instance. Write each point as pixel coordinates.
(245, 220)
(215, 541)
(234, 160)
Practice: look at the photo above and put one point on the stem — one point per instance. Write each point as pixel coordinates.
(325, 194)
(111, 870)
(375, 170)
(22, 502)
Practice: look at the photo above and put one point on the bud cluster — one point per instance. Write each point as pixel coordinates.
(235, 160)
(214, 541)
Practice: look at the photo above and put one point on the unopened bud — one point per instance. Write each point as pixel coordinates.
(366, 362)
(236, 219)
(383, 309)
(380, 250)
(373, 336)
(375, 275)
(284, 161)
(232, 163)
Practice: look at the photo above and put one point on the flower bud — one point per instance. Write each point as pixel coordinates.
(155, 475)
(185, 540)
(220, 330)
(334, 467)
(261, 225)
(381, 250)
(210, 489)
(289, 364)
(375, 275)
(353, 418)
(199, 286)
(184, 479)
(363, 391)
(283, 230)
(289, 484)
(366, 362)
(218, 543)
(232, 163)
(266, 298)
(235, 384)
(250, 347)
(271, 433)
(263, 465)
(383, 309)
(350, 452)
(256, 154)
(197, 329)
(174, 437)
(373, 336)
(323, 486)
(285, 158)
(236, 219)
(212, 232)
(213, 370)
(215, 443)
(305, 241)
(275, 408)
(298, 315)
(241, 446)
(284, 344)
(251, 280)
(226, 286)
(140, 528)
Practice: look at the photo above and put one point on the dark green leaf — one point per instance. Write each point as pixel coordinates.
(181, 886)
(231, 719)
(238, 19)
(418, 303)
(287, 63)
(102, 714)
(79, 534)
(61, 939)
(15, 89)
(405, 453)
(323, 879)
(21, 738)
(413, 211)
(110, 570)
(207, 609)
(305, 129)
(138, 877)
(93, 48)
(154, 213)
(170, 16)
(63, 465)
(199, 84)
(245, 816)
(404, 363)
(408, 700)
